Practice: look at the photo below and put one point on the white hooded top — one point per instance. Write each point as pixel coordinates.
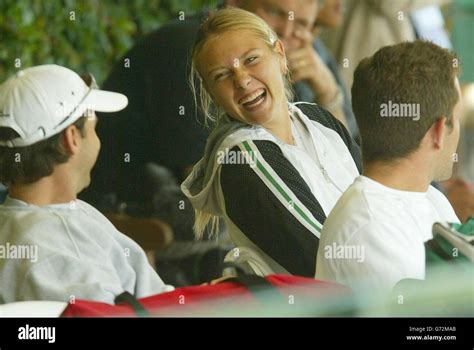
(320, 157)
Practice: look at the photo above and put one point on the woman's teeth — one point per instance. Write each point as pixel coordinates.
(254, 99)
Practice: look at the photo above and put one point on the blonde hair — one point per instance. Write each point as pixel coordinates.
(219, 22)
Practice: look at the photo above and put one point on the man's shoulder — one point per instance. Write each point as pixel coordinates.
(87, 207)
(30, 228)
(351, 212)
(37, 224)
(94, 215)
(436, 195)
(360, 207)
(26, 217)
(442, 204)
(13, 211)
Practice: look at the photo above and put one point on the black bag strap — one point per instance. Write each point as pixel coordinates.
(127, 298)
(258, 286)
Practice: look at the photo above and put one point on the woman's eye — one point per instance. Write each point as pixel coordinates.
(219, 76)
(251, 59)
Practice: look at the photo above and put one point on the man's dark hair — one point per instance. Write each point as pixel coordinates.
(30, 163)
(418, 72)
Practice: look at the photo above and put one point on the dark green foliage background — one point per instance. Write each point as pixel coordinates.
(41, 31)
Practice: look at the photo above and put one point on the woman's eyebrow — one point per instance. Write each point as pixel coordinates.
(248, 51)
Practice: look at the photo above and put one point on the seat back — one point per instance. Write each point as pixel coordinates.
(149, 233)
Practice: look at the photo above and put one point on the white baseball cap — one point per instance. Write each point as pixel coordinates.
(42, 101)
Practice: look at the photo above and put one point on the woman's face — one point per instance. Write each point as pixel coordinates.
(244, 76)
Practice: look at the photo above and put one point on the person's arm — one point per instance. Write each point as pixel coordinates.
(62, 276)
(65, 278)
(265, 219)
(307, 65)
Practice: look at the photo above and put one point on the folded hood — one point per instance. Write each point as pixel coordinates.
(198, 186)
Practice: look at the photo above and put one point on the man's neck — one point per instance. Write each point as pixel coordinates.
(404, 175)
(49, 190)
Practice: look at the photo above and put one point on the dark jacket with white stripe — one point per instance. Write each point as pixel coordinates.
(274, 197)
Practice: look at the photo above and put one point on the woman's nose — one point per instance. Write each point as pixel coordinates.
(242, 79)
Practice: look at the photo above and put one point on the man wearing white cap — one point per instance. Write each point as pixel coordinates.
(52, 245)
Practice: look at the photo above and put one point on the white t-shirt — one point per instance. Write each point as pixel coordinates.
(64, 251)
(374, 237)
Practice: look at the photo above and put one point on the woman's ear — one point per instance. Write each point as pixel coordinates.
(280, 51)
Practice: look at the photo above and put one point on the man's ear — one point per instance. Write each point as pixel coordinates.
(71, 139)
(437, 133)
(280, 50)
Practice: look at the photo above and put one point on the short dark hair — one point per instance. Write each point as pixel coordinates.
(418, 73)
(31, 163)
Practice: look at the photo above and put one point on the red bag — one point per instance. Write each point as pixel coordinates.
(246, 295)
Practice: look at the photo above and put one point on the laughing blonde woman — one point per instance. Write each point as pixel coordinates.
(272, 170)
